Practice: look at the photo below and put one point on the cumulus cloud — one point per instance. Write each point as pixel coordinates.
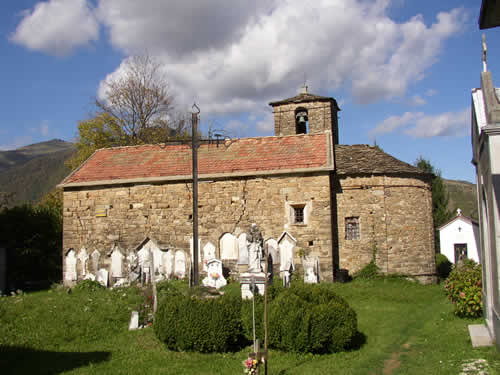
(431, 92)
(57, 27)
(235, 57)
(420, 125)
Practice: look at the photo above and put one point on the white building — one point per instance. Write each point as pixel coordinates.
(486, 159)
(459, 238)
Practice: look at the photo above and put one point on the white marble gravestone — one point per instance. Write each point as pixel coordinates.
(134, 321)
(215, 278)
(242, 249)
(180, 264)
(145, 264)
(95, 261)
(272, 248)
(133, 266)
(228, 247)
(286, 245)
(70, 272)
(83, 258)
(208, 253)
(102, 277)
(311, 268)
(168, 263)
(116, 262)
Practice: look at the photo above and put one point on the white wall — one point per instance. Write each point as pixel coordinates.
(451, 235)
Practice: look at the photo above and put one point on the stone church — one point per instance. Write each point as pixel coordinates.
(313, 199)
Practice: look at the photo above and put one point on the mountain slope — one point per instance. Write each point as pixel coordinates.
(32, 171)
(463, 195)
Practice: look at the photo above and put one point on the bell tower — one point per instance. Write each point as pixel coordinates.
(306, 114)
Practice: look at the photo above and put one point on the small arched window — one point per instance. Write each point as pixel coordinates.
(301, 121)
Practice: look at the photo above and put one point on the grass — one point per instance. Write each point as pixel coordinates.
(405, 328)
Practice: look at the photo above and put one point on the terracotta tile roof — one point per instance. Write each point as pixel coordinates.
(365, 159)
(304, 98)
(243, 156)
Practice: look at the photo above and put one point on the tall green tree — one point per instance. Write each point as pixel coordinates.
(440, 212)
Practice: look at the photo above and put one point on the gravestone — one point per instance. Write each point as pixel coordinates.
(116, 263)
(70, 263)
(242, 249)
(286, 245)
(168, 263)
(228, 247)
(215, 278)
(311, 268)
(102, 277)
(208, 253)
(134, 321)
(95, 261)
(83, 258)
(133, 266)
(145, 264)
(254, 280)
(180, 264)
(272, 248)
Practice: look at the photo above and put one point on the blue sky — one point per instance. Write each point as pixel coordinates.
(402, 71)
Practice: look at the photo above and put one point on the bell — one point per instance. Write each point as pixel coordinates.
(302, 120)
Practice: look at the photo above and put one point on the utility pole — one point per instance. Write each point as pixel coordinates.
(194, 149)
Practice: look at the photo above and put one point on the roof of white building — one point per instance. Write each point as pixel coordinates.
(460, 217)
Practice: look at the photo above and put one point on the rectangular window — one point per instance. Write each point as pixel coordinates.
(298, 214)
(352, 228)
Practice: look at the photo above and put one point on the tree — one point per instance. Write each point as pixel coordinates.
(137, 108)
(139, 100)
(440, 212)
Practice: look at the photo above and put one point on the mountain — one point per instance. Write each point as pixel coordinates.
(463, 195)
(32, 171)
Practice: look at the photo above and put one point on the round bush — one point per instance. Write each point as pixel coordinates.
(443, 266)
(463, 288)
(188, 323)
(311, 318)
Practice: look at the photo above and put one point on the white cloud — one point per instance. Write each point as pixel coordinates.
(420, 125)
(57, 27)
(417, 100)
(239, 67)
(234, 57)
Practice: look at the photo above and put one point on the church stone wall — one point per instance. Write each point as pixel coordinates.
(395, 221)
(97, 217)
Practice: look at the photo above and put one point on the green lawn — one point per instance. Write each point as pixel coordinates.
(405, 328)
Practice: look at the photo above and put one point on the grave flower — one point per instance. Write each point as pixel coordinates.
(251, 366)
(214, 275)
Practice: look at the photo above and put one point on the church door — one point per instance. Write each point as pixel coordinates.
(460, 252)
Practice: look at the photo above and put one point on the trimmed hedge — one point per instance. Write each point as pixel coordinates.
(303, 318)
(311, 318)
(187, 323)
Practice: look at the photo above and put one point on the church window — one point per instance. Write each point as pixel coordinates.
(298, 214)
(301, 121)
(352, 228)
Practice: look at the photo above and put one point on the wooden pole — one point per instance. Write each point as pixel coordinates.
(194, 149)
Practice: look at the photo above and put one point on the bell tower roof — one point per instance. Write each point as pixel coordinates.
(305, 97)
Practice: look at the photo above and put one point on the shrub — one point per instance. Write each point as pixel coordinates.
(311, 318)
(370, 271)
(88, 285)
(194, 324)
(443, 266)
(463, 288)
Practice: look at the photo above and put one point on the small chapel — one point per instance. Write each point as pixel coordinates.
(321, 207)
